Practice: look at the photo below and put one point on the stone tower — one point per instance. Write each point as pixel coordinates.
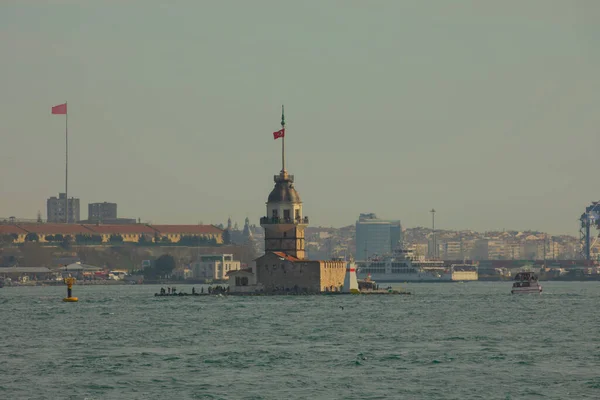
(284, 223)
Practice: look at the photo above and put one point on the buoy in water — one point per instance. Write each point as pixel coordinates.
(71, 299)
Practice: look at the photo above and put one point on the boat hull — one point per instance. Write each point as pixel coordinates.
(419, 277)
(527, 290)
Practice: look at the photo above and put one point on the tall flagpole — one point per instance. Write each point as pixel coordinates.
(282, 142)
(66, 165)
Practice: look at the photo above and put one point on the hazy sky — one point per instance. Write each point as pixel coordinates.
(488, 111)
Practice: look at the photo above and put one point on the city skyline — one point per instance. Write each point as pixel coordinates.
(483, 112)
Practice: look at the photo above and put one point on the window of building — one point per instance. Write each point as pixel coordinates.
(274, 213)
(286, 215)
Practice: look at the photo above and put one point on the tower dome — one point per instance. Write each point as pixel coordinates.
(284, 191)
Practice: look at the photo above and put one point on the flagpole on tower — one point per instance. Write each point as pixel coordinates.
(66, 164)
(282, 142)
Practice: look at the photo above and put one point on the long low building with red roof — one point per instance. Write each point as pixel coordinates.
(175, 232)
(131, 233)
(18, 234)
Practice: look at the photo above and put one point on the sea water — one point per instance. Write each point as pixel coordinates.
(445, 341)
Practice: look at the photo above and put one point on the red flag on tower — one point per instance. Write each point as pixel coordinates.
(279, 133)
(60, 109)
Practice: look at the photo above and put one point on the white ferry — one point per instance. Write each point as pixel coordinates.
(464, 272)
(526, 282)
(402, 266)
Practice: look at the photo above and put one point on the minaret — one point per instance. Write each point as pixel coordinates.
(247, 232)
(284, 223)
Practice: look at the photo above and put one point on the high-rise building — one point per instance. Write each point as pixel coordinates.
(56, 209)
(376, 236)
(98, 212)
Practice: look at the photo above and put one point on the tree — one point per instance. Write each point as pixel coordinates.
(164, 265)
(81, 239)
(88, 239)
(115, 239)
(58, 237)
(165, 239)
(66, 242)
(96, 239)
(6, 239)
(144, 240)
(49, 238)
(32, 237)
(227, 237)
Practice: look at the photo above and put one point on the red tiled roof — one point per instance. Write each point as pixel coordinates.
(89, 229)
(130, 229)
(187, 229)
(10, 229)
(53, 229)
(286, 256)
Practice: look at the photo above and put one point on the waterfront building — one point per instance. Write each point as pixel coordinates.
(214, 266)
(175, 233)
(131, 233)
(14, 232)
(127, 233)
(55, 207)
(376, 236)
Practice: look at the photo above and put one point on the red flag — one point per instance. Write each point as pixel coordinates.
(278, 134)
(60, 109)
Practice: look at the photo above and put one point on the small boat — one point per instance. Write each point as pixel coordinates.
(526, 282)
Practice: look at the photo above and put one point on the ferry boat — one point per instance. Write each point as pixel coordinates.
(526, 282)
(464, 272)
(402, 266)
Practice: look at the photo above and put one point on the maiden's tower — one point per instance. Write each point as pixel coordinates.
(284, 267)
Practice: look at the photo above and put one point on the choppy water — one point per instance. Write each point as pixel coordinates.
(447, 341)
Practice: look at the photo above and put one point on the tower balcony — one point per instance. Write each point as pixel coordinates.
(276, 220)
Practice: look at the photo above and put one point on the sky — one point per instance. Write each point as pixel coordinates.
(486, 111)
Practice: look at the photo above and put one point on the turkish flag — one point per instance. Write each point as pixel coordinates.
(60, 109)
(278, 134)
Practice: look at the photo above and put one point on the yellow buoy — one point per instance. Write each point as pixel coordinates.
(70, 281)
(70, 299)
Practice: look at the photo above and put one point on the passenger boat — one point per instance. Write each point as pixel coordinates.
(403, 266)
(526, 282)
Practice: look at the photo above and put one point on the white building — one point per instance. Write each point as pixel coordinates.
(214, 266)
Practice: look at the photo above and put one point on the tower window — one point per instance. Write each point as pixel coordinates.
(297, 214)
(286, 215)
(274, 213)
